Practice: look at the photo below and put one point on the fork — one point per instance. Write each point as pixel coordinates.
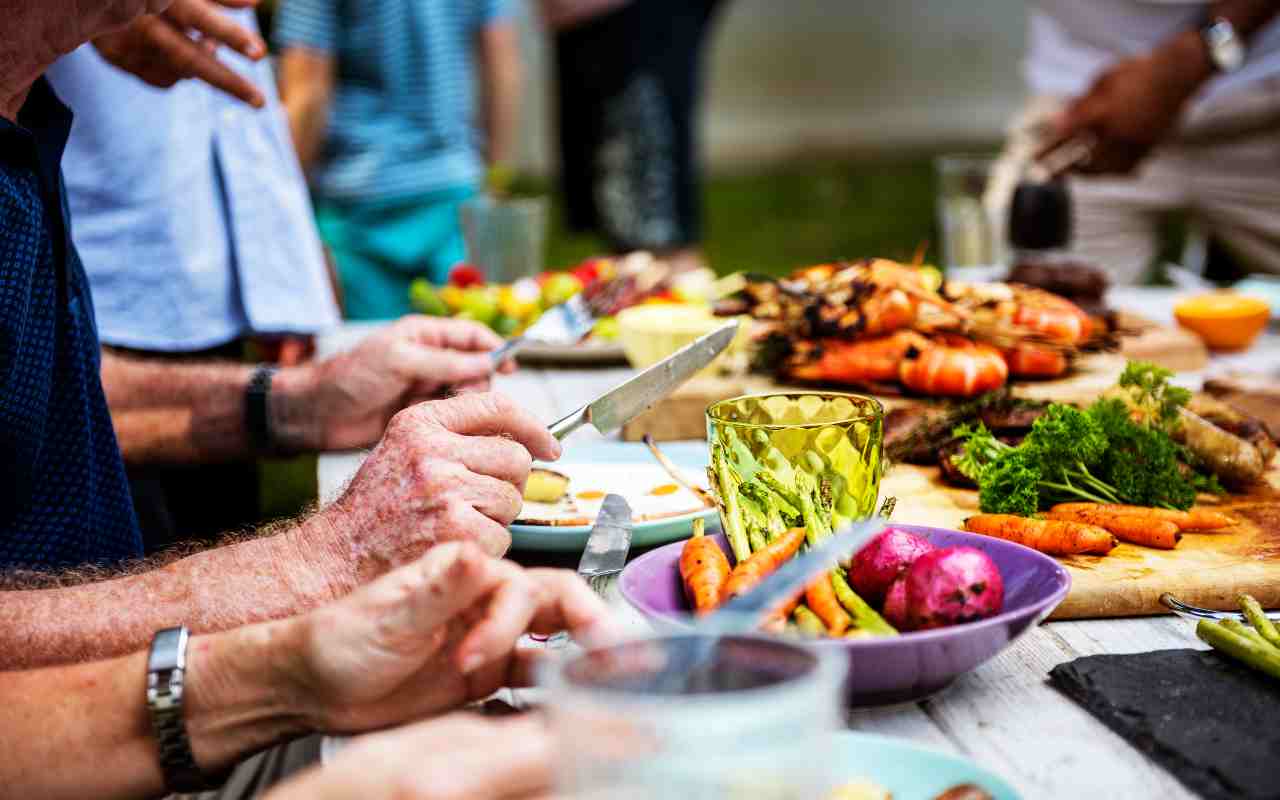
(1196, 612)
(566, 323)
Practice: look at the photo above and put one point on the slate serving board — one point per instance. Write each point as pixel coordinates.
(1209, 720)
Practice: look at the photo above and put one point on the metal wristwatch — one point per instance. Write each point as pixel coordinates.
(166, 671)
(1226, 49)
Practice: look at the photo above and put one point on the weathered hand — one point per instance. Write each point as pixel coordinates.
(159, 50)
(446, 470)
(346, 401)
(429, 637)
(451, 758)
(1133, 106)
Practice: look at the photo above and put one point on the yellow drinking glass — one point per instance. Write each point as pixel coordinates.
(835, 439)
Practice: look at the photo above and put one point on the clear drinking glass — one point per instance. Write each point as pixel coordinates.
(972, 234)
(836, 438)
(506, 238)
(696, 716)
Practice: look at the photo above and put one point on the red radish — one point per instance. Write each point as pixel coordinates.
(895, 603)
(883, 559)
(952, 585)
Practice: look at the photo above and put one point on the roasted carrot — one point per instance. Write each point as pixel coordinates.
(1195, 519)
(752, 570)
(1055, 537)
(821, 599)
(1149, 531)
(704, 569)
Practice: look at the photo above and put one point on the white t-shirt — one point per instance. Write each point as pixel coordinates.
(1069, 42)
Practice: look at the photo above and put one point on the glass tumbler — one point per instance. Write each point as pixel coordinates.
(835, 438)
(740, 717)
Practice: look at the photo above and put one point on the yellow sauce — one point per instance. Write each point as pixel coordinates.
(664, 489)
(590, 494)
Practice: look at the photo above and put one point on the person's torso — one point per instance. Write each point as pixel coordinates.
(1071, 41)
(189, 210)
(64, 500)
(404, 119)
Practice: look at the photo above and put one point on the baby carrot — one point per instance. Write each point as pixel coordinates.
(1055, 537)
(821, 599)
(1195, 519)
(754, 569)
(704, 569)
(1149, 531)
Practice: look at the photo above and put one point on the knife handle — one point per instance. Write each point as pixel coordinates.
(567, 425)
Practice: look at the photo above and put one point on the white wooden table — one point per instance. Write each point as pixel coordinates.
(1003, 715)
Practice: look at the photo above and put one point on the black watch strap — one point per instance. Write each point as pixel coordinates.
(166, 675)
(257, 420)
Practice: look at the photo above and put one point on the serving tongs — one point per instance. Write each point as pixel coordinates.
(1191, 612)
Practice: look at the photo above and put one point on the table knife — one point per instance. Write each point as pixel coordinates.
(618, 406)
(606, 551)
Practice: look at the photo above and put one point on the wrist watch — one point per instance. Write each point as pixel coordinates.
(166, 672)
(257, 418)
(1226, 49)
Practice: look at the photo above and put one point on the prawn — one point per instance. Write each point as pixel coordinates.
(1028, 360)
(865, 361)
(953, 366)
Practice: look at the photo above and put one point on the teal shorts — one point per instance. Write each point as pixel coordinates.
(381, 247)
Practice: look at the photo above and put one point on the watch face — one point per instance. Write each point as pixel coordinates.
(1225, 48)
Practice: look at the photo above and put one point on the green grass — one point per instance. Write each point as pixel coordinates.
(792, 215)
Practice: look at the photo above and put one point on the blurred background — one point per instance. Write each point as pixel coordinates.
(821, 123)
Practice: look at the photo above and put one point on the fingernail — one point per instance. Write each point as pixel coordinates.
(472, 663)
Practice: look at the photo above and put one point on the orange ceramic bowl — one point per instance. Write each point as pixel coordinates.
(1224, 320)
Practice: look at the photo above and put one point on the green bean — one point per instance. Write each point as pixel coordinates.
(808, 622)
(1247, 650)
(864, 616)
(1258, 619)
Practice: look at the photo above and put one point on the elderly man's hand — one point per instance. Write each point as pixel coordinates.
(451, 758)
(159, 48)
(1133, 106)
(446, 470)
(346, 401)
(429, 637)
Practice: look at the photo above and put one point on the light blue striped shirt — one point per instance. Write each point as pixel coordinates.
(189, 209)
(403, 121)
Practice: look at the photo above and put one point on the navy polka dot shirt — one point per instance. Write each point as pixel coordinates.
(64, 500)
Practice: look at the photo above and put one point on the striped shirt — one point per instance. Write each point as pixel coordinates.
(403, 121)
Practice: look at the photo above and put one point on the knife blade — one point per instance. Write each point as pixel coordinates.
(606, 552)
(624, 402)
(610, 540)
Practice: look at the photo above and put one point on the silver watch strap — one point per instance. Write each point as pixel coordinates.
(166, 673)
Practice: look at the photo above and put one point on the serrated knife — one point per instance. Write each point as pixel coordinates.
(618, 406)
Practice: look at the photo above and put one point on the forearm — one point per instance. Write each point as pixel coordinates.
(84, 731)
(166, 412)
(306, 88)
(501, 78)
(268, 577)
(1190, 65)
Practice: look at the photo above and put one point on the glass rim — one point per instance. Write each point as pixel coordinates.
(951, 160)
(877, 410)
(829, 665)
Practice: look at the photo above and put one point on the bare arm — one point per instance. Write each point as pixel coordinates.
(167, 412)
(268, 577)
(500, 72)
(93, 735)
(306, 89)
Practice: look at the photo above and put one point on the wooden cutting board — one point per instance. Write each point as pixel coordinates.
(681, 416)
(1207, 569)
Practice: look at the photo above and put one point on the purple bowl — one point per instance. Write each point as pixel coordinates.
(899, 668)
